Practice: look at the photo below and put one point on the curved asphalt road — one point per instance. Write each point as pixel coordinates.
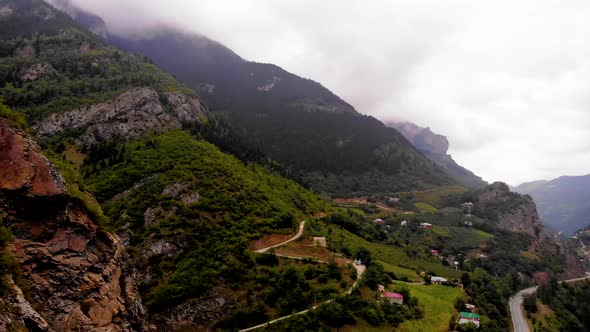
(519, 321)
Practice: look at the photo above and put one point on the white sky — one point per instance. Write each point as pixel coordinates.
(508, 82)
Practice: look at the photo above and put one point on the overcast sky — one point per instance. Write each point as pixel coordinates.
(508, 82)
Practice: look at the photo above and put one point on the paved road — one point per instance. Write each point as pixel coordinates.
(295, 237)
(519, 321)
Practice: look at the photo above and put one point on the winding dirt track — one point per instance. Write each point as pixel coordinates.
(295, 237)
(360, 269)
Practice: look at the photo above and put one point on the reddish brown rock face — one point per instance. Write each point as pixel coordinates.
(22, 165)
(77, 271)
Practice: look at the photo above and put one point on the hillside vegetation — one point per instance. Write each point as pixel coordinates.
(320, 139)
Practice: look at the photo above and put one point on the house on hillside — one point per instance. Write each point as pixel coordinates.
(438, 280)
(393, 298)
(319, 242)
(378, 222)
(426, 225)
(468, 317)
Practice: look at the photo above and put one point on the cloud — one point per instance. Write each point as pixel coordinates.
(507, 82)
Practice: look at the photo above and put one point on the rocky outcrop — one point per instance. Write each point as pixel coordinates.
(77, 271)
(131, 113)
(26, 51)
(17, 311)
(422, 138)
(199, 313)
(37, 71)
(514, 212)
(85, 47)
(434, 147)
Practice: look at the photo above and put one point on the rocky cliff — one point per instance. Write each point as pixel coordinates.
(129, 114)
(513, 212)
(434, 147)
(77, 271)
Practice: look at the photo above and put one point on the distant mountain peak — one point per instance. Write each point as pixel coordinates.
(423, 139)
(435, 146)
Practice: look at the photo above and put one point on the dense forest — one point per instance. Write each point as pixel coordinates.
(560, 307)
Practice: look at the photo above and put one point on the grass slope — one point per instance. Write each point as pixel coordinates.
(437, 303)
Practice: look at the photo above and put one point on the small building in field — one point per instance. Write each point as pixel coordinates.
(469, 307)
(381, 288)
(378, 222)
(404, 223)
(319, 242)
(425, 225)
(393, 298)
(434, 252)
(438, 280)
(468, 317)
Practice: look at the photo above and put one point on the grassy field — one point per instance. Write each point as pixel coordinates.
(425, 207)
(400, 272)
(438, 304)
(483, 234)
(434, 196)
(395, 256)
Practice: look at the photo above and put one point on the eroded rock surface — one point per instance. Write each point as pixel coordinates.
(77, 271)
(37, 71)
(131, 113)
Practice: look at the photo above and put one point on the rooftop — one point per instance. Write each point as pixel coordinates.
(469, 315)
(393, 295)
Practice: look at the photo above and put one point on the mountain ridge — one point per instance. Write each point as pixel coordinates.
(320, 140)
(562, 201)
(434, 147)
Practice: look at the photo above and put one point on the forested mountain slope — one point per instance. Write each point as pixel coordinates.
(319, 138)
(124, 131)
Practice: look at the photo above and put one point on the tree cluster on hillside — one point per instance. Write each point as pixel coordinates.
(568, 304)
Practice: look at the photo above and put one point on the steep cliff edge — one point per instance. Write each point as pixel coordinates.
(77, 271)
(514, 212)
(517, 213)
(434, 147)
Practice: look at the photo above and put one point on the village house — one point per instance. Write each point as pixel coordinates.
(425, 225)
(434, 252)
(468, 317)
(380, 288)
(378, 222)
(404, 223)
(394, 298)
(469, 307)
(319, 242)
(438, 280)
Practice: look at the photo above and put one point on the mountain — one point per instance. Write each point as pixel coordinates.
(119, 205)
(563, 202)
(320, 139)
(434, 147)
